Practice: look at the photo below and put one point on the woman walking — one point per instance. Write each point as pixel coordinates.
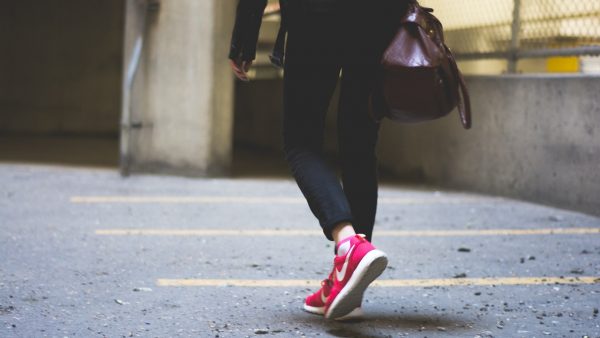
(326, 38)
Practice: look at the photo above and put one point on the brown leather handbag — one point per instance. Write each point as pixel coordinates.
(420, 80)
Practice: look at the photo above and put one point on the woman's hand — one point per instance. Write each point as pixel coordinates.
(240, 69)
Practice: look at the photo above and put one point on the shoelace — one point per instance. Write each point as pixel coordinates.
(327, 283)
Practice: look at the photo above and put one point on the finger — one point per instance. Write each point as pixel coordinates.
(237, 66)
(244, 72)
(242, 76)
(239, 70)
(234, 65)
(246, 65)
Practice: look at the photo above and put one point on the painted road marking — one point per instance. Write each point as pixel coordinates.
(391, 283)
(316, 232)
(258, 200)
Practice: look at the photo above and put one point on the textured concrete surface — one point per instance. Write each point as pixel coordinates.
(61, 66)
(62, 72)
(59, 278)
(76, 151)
(534, 137)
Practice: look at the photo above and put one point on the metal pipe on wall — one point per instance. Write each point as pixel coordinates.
(515, 38)
(135, 26)
(136, 19)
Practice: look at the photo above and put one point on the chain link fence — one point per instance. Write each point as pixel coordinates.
(559, 32)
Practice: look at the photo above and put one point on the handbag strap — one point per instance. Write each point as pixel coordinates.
(463, 98)
(277, 57)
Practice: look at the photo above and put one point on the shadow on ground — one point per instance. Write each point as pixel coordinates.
(369, 324)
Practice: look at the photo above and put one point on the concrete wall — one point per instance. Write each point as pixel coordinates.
(60, 66)
(534, 138)
(183, 95)
(258, 115)
(62, 71)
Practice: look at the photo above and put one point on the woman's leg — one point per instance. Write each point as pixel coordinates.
(357, 131)
(311, 75)
(357, 140)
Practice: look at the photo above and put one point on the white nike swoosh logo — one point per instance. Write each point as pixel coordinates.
(342, 273)
(323, 298)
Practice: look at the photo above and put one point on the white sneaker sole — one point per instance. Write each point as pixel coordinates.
(350, 297)
(314, 309)
(354, 314)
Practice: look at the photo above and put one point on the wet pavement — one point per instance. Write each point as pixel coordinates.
(86, 253)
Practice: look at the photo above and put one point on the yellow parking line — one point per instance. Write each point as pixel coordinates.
(316, 232)
(205, 232)
(183, 199)
(254, 200)
(391, 283)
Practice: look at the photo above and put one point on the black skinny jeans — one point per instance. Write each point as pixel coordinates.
(347, 36)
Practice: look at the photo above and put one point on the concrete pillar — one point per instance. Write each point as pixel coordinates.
(182, 97)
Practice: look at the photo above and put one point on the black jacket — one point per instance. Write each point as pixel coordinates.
(247, 26)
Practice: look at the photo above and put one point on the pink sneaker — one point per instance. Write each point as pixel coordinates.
(315, 303)
(351, 275)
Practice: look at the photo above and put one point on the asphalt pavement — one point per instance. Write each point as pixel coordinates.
(86, 253)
